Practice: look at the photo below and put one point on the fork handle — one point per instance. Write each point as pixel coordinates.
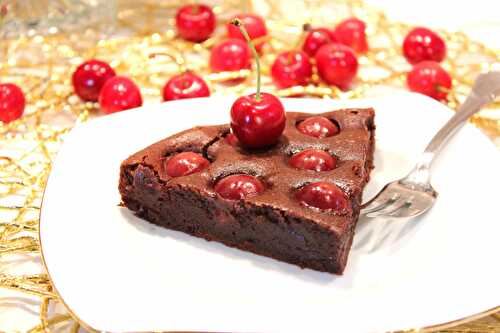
(473, 103)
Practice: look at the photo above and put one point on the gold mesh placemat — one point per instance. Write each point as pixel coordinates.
(149, 54)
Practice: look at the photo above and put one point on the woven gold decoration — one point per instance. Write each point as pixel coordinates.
(150, 54)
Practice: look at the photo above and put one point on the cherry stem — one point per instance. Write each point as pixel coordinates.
(236, 22)
(298, 44)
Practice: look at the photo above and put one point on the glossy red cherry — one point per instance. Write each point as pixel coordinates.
(257, 120)
(12, 102)
(318, 126)
(313, 159)
(337, 64)
(429, 78)
(119, 93)
(255, 26)
(291, 68)
(315, 39)
(230, 55)
(323, 195)
(352, 32)
(238, 187)
(89, 78)
(195, 22)
(423, 44)
(186, 163)
(185, 85)
(258, 123)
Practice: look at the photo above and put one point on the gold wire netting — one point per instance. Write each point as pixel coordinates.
(150, 53)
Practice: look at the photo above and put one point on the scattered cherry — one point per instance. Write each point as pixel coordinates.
(318, 126)
(255, 26)
(230, 55)
(185, 85)
(186, 163)
(291, 68)
(89, 78)
(12, 102)
(313, 159)
(119, 93)
(195, 22)
(238, 187)
(423, 44)
(429, 78)
(315, 39)
(352, 32)
(257, 120)
(337, 64)
(324, 196)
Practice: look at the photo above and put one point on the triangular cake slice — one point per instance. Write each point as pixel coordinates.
(274, 222)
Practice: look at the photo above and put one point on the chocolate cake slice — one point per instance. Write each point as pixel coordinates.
(282, 218)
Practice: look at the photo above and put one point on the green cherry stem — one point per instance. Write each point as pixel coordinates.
(236, 22)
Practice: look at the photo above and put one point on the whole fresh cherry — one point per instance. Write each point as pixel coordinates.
(313, 159)
(429, 78)
(352, 32)
(337, 64)
(195, 22)
(323, 195)
(119, 93)
(291, 68)
(230, 55)
(89, 78)
(318, 126)
(12, 102)
(423, 44)
(315, 39)
(254, 25)
(186, 163)
(239, 187)
(257, 120)
(185, 85)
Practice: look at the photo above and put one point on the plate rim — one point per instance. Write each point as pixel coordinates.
(424, 329)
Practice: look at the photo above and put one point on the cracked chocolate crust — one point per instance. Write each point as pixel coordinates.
(272, 224)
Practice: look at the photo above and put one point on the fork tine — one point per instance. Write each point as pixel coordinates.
(395, 206)
(378, 203)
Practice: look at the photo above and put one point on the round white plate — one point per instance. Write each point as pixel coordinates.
(119, 273)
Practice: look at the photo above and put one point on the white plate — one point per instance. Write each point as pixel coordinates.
(119, 273)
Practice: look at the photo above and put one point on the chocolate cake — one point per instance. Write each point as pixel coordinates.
(273, 221)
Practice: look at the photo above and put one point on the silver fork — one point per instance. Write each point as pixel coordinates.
(414, 194)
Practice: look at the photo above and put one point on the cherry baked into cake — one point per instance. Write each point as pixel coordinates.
(297, 200)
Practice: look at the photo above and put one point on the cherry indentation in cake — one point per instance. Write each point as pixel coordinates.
(313, 159)
(232, 139)
(186, 163)
(318, 126)
(323, 195)
(239, 186)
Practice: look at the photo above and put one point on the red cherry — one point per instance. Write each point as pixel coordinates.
(291, 68)
(423, 44)
(318, 126)
(337, 64)
(352, 32)
(255, 26)
(429, 78)
(195, 22)
(256, 122)
(230, 55)
(89, 78)
(12, 102)
(186, 163)
(324, 196)
(313, 159)
(239, 187)
(119, 93)
(185, 85)
(315, 39)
